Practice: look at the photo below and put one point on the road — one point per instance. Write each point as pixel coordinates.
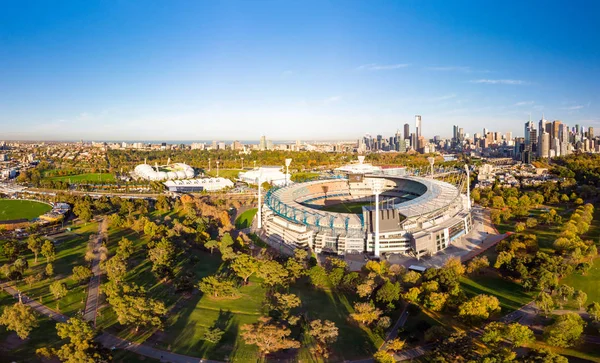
(91, 303)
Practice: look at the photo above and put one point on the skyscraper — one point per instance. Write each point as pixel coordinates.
(263, 143)
(418, 125)
(406, 131)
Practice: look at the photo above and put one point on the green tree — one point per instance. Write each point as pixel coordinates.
(126, 248)
(565, 331)
(268, 336)
(213, 335)
(479, 307)
(35, 243)
(19, 318)
(244, 266)
(81, 273)
(520, 335)
(48, 251)
(388, 293)
(116, 268)
(544, 302)
(272, 273)
(580, 298)
(594, 310)
(565, 292)
(59, 290)
(162, 254)
(477, 264)
(211, 245)
(382, 356)
(81, 347)
(49, 270)
(284, 303)
(324, 333)
(544, 355)
(365, 313)
(217, 286)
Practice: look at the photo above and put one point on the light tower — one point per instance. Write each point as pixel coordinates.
(242, 163)
(468, 188)
(288, 161)
(259, 181)
(377, 188)
(208, 164)
(218, 168)
(431, 160)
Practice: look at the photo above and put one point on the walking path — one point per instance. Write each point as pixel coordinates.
(91, 303)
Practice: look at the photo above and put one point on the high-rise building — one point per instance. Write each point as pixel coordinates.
(591, 133)
(418, 125)
(263, 143)
(406, 131)
(555, 129)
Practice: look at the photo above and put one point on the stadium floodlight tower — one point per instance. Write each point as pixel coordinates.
(259, 181)
(377, 189)
(242, 163)
(208, 164)
(431, 160)
(468, 188)
(288, 161)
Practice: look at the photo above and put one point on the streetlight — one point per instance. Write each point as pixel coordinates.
(254, 164)
(208, 164)
(288, 161)
(218, 168)
(242, 163)
(259, 180)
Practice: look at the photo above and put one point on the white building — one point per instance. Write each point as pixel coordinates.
(270, 174)
(198, 185)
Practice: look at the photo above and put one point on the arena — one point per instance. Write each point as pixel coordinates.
(417, 216)
(164, 172)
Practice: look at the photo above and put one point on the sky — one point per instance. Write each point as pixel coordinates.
(311, 70)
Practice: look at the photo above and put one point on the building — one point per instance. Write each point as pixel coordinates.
(270, 174)
(164, 172)
(198, 185)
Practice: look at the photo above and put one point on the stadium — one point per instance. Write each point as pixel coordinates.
(416, 215)
(164, 172)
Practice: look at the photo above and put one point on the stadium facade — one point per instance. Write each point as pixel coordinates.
(417, 216)
(164, 172)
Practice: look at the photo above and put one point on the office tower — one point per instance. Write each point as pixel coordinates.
(544, 147)
(419, 130)
(591, 133)
(555, 129)
(263, 143)
(406, 131)
(509, 136)
(378, 142)
(455, 133)
(461, 134)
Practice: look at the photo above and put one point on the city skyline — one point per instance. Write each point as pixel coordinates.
(291, 71)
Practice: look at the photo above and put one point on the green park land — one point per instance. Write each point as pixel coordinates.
(85, 178)
(12, 209)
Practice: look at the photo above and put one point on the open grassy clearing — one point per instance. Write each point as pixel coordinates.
(510, 294)
(245, 219)
(11, 209)
(351, 207)
(85, 178)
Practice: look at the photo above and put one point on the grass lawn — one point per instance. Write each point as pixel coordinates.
(85, 178)
(304, 176)
(353, 207)
(510, 294)
(70, 252)
(245, 219)
(224, 173)
(353, 341)
(11, 209)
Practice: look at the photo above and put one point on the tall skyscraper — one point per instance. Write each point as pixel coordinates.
(406, 131)
(263, 143)
(418, 125)
(555, 129)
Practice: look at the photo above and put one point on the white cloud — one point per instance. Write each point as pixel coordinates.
(332, 99)
(572, 108)
(449, 69)
(444, 97)
(500, 81)
(524, 103)
(381, 67)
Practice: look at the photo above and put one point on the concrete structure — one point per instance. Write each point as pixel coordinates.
(270, 174)
(402, 214)
(198, 185)
(164, 172)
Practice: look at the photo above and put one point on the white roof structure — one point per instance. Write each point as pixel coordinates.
(360, 167)
(164, 172)
(269, 174)
(208, 184)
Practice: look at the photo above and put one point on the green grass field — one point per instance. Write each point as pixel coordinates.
(18, 209)
(352, 207)
(224, 173)
(85, 178)
(510, 294)
(245, 219)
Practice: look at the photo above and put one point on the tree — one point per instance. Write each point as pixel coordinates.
(211, 245)
(565, 292)
(519, 227)
(435, 301)
(20, 265)
(48, 251)
(453, 264)
(59, 290)
(493, 333)
(580, 298)
(116, 268)
(594, 310)
(565, 331)
(244, 266)
(126, 248)
(81, 273)
(411, 277)
(133, 307)
(520, 335)
(388, 293)
(365, 313)
(284, 303)
(83, 210)
(213, 334)
(477, 264)
(81, 347)
(498, 202)
(324, 333)
(531, 222)
(412, 295)
(272, 273)
(366, 288)
(217, 286)
(395, 345)
(268, 336)
(381, 356)
(479, 307)
(162, 254)
(49, 270)
(380, 268)
(19, 318)
(35, 243)
(544, 355)
(544, 302)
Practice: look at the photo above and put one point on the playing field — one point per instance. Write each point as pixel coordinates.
(21, 209)
(85, 178)
(350, 207)
(245, 219)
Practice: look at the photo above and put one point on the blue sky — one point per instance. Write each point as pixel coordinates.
(293, 69)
